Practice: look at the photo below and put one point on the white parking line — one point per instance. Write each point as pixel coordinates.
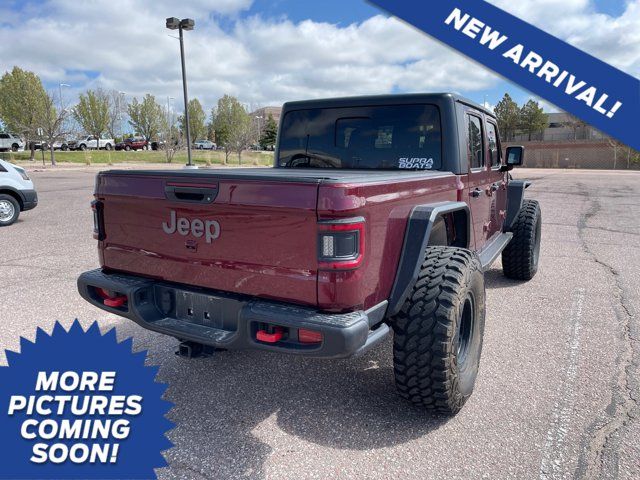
(553, 454)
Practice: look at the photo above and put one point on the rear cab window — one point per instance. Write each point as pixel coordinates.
(393, 137)
(494, 144)
(475, 144)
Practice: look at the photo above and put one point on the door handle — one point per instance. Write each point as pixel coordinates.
(189, 194)
(476, 193)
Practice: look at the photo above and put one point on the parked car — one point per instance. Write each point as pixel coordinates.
(398, 204)
(134, 143)
(90, 142)
(41, 145)
(37, 145)
(204, 145)
(9, 141)
(60, 145)
(16, 193)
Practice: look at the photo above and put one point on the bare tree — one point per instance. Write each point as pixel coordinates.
(575, 124)
(245, 135)
(173, 143)
(53, 124)
(117, 107)
(618, 148)
(623, 152)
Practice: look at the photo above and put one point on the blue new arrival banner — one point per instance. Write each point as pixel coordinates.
(575, 81)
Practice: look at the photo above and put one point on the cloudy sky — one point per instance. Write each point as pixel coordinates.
(269, 51)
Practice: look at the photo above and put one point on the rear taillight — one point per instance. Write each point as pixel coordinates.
(98, 220)
(341, 244)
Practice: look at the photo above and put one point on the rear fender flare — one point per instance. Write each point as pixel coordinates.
(416, 239)
(515, 197)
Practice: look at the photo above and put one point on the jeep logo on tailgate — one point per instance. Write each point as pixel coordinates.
(210, 229)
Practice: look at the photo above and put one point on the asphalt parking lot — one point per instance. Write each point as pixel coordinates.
(557, 394)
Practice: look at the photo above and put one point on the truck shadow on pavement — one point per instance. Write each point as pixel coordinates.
(234, 410)
(231, 409)
(494, 279)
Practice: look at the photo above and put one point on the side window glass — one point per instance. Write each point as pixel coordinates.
(4, 135)
(494, 144)
(476, 142)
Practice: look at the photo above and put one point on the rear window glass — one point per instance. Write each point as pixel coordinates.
(377, 137)
(476, 142)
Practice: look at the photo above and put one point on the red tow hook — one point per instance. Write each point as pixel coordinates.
(267, 337)
(115, 302)
(109, 301)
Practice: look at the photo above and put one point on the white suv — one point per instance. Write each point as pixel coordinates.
(16, 193)
(9, 141)
(90, 142)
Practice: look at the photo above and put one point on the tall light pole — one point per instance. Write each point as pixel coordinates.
(259, 118)
(120, 97)
(169, 121)
(60, 85)
(185, 24)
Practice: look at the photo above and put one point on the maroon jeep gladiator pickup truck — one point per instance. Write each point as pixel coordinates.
(380, 214)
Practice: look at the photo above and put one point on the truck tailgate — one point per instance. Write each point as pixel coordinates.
(222, 232)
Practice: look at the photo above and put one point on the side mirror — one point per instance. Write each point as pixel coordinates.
(515, 156)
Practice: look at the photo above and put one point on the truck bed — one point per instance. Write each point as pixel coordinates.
(299, 175)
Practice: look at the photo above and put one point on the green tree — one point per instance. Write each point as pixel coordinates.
(92, 113)
(220, 127)
(211, 131)
(533, 119)
(147, 117)
(197, 120)
(23, 101)
(232, 125)
(269, 134)
(508, 115)
(174, 142)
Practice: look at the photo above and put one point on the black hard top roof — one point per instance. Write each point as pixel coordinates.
(394, 99)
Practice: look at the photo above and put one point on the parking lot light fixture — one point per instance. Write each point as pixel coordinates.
(173, 23)
(60, 85)
(120, 100)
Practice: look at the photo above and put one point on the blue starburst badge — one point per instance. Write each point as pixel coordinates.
(78, 404)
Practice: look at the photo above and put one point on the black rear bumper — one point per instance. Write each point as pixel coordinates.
(230, 321)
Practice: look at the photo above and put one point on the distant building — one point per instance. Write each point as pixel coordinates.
(561, 127)
(264, 112)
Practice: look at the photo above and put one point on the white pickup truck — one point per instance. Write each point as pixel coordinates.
(9, 141)
(90, 142)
